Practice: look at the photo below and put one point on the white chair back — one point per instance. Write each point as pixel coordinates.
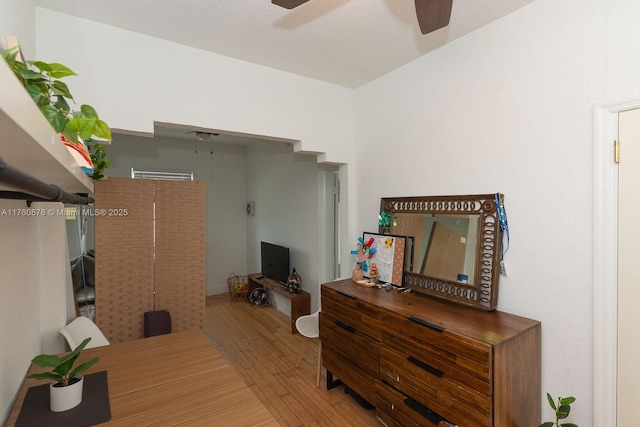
(81, 328)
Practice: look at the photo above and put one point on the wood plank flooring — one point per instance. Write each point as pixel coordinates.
(257, 341)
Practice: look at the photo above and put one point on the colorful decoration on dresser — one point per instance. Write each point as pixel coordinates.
(385, 219)
(364, 251)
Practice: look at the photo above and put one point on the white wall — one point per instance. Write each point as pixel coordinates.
(509, 108)
(225, 177)
(133, 80)
(33, 285)
(18, 19)
(283, 185)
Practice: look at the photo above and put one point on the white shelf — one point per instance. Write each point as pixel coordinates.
(28, 143)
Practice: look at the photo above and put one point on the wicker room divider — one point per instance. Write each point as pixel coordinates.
(126, 274)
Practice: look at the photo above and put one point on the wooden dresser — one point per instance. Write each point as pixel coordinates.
(422, 361)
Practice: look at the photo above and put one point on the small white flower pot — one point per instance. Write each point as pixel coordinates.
(65, 398)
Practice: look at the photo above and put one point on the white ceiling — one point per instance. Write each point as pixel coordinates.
(346, 42)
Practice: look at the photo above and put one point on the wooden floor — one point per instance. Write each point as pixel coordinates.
(257, 341)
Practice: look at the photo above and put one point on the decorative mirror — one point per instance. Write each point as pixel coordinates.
(457, 245)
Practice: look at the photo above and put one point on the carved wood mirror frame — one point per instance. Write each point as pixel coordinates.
(483, 293)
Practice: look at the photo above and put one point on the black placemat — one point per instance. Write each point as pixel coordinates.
(94, 408)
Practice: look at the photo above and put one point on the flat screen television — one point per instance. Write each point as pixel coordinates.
(275, 262)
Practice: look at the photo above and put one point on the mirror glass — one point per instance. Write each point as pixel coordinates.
(82, 258)
(444, 244)
(456, 245)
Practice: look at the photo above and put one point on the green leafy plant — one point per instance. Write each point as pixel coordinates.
(99, 160)
(52, 95)
(562, 410)
(63, 370)
(53, 98)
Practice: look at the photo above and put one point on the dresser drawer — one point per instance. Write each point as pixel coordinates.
(402, 410)
(364, 316)
(337, 331)
(435, 389)
(461, 357)
(349, 372)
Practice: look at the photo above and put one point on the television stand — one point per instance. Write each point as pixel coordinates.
(300, 302)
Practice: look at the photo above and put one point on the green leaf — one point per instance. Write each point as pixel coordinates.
(57, 120)
(102, 130)
(47, 360)
(65, 366)
(27, 74)
(10, 54)
(58, 71)
(17, 68)
(84, 366)
(567, 400)
(82, 345)
(88, 111)
(547, 424)
(70, 135)
(568, 425)
(43, 66)
(62, 105)
(83, 126)
(99, 150)
(551, 402)
(35, 92)
(75, 124)
(563, 411)
(46, 376)
(60, 88)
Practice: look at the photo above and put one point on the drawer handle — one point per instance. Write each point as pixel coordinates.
(345, 326)
(348, 295)
(426, 367)
(427, 324)
(423, 410)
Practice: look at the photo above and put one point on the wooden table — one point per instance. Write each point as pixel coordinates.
(172, 379)
(300, 302)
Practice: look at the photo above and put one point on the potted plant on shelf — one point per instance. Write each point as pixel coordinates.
(80, 130)
(66, 390)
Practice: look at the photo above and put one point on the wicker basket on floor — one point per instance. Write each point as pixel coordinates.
(238, 287)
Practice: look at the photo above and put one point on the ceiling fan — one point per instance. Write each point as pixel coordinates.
(432, 14)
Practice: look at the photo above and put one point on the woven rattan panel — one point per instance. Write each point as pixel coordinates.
(124, 256)
(180, 252)
(407, 227)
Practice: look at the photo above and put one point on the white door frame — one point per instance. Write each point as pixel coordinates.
(605, 261)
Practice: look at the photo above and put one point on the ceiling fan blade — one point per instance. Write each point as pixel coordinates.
(288, 4)
(433, 14)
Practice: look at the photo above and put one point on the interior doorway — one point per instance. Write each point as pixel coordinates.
(605, 261)
(628, 274)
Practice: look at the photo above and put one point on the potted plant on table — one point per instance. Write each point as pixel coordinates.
(80, 130)
(66, 390)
